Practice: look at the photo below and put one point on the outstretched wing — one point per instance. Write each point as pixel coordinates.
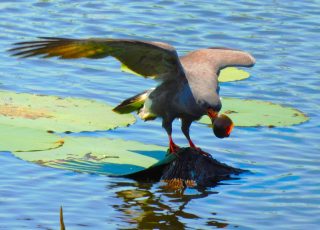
(154, 59)
(202, 68)
(210, 61)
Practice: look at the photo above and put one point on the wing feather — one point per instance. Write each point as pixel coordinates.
(202, 68)
(145, 58)
(217, 58)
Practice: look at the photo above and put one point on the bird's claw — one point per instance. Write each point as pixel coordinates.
(174, 149)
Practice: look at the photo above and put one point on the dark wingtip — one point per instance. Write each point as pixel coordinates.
(22, 53)
(124, 109)
(117, 109)
(28, 48)
(34, 48)
(53, 39)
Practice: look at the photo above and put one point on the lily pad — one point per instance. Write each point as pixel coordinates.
(58, 114)
(232, 74)
(125, 69)
(100, 155)
(259, 113)
(26, 139)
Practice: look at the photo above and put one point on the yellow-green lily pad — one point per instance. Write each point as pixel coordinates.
(232, 74)
(58, 114)
(99, 155)
(125, 69)
(26, 139)
(259, 113)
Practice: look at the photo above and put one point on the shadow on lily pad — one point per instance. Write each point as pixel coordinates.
(99, 155)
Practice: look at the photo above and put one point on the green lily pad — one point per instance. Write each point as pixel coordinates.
(125, 69)
(259, 113)
(232, 74)
(100, 155)
(58, 114)
(25, 139)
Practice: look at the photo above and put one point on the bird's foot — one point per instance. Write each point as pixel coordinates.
(173, 148)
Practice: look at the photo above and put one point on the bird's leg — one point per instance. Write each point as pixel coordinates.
(173, 148)
(185, 127)
(167, 125)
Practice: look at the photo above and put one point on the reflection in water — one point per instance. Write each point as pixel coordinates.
(149, 206)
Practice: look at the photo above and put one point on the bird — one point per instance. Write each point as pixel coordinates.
(187, 86)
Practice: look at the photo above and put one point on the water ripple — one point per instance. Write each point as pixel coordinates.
(282, 189)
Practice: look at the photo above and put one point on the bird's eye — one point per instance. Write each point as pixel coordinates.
(202, 103)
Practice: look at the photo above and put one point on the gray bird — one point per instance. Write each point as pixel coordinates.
(188, 87)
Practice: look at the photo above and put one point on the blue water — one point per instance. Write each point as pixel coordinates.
(283, 190)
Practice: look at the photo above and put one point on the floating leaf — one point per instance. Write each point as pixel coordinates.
(258, 113)
(26, 139)
(232, 74)
(125, 68)
(99, 155)
(58, 114)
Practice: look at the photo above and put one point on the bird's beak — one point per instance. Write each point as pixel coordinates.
(212, 114)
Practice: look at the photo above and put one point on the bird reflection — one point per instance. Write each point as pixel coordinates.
(152, 206)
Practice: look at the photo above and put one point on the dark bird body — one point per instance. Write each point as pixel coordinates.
(188, 86)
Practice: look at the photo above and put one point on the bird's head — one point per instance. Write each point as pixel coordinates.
(222, 125)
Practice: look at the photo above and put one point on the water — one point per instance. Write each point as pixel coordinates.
(282, 192)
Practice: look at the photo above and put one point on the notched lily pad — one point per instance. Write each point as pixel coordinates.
(259, 113)
(26, 139)
(58, 114)
(232, 74)
(99, 155)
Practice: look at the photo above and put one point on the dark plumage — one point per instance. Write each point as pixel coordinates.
(188, 86)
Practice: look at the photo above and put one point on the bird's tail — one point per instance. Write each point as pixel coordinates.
(132, 104)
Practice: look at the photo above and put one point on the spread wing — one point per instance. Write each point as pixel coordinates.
(202, 68)
(210, 61)
(148, 59)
